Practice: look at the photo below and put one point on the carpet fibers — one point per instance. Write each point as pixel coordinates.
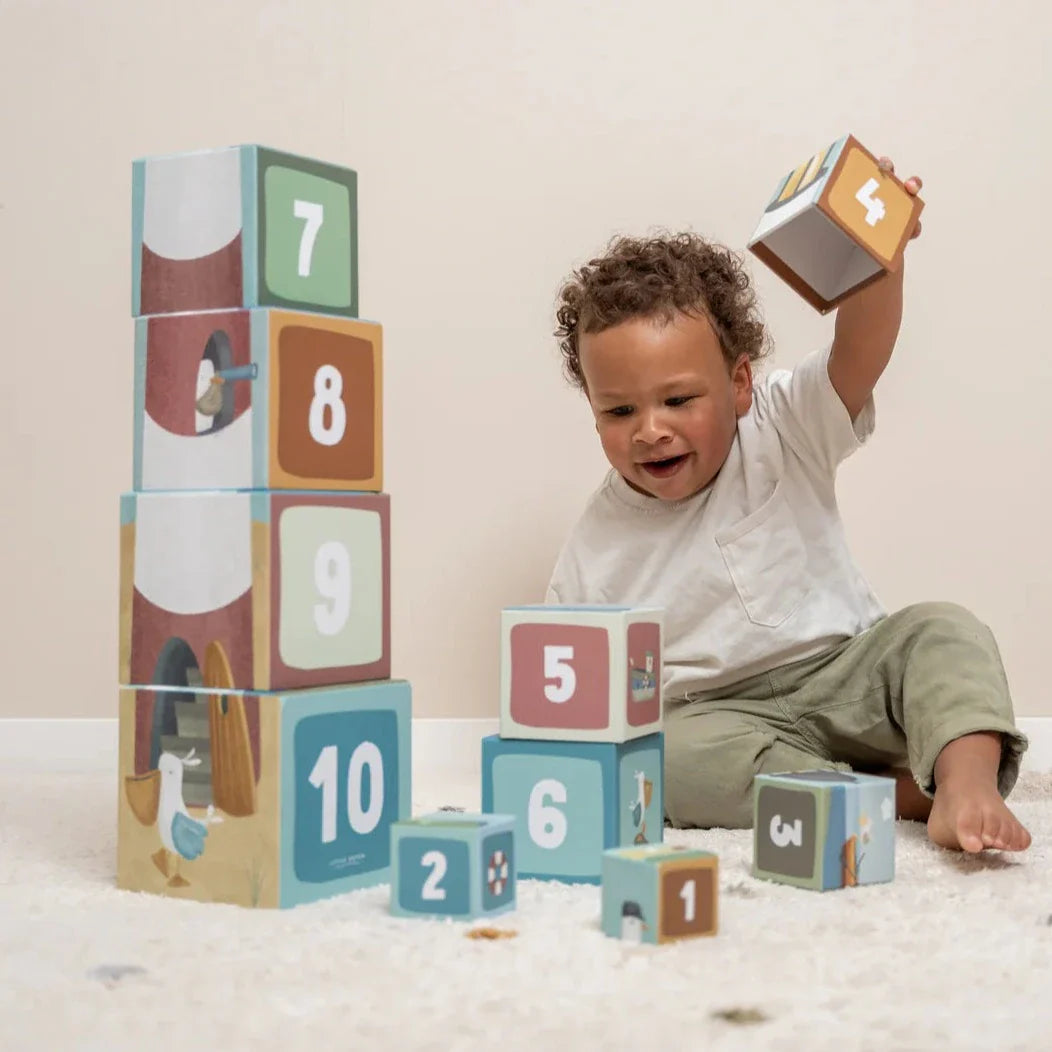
(956, 953)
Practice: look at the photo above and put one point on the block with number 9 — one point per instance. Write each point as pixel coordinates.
(580, 673)
(824, 829)
(282, 589)
(659, 893)
(836, 223)
(453, 864)
(243, 226)
(257, 399)
(574, 800)
(261, 799)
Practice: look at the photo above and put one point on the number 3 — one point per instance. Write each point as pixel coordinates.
(785, 833)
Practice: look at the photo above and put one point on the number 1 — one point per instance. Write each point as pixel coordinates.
(687, 894)
(313, 213)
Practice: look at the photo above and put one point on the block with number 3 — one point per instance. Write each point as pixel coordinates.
(574, 800)
(261, 799)
(580, 673)
(262, 590)
(243, 226)
(453, 864)
(257, 399)
(659, 893)
(836, 223)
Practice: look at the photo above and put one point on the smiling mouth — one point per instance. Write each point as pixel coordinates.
(663, 468)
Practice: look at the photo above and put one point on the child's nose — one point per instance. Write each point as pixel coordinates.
(653, 426)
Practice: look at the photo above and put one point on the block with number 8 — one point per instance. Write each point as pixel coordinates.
(574, 800)
(453, 864)
(659, 893)
(261, 799)
(283, 589)
(243, 226)
(580, 673)
(257, 399)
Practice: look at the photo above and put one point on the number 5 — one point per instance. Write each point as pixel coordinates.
(556, 667)
(313, 213)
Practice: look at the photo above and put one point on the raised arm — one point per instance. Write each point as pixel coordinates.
(867, 326)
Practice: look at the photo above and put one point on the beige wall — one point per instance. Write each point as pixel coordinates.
(498, 144)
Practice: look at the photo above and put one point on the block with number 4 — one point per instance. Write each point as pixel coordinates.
(836, 223)
(243, 226)
(262, 590)
(659, 893)
(574, 800)
(824, 829)
(453, 864)
(580, 673)
(261, 799)
(257, 399)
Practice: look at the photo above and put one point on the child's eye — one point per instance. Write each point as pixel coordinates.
(679, 400)
(619, 410)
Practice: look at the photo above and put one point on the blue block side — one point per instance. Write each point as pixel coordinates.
(137, 220)
(629, 909)
(249, 158)
(128, 505)
(259, 342)
(139, 400)
(836, 832)
(876, 848)
(651, 749)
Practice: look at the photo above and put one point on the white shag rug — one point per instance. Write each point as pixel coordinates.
(956, 953)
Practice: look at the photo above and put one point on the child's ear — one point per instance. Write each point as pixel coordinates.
(741, 380)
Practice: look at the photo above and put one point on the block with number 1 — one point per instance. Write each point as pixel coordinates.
(580, 673)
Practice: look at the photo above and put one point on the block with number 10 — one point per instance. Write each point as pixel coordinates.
(580, 673)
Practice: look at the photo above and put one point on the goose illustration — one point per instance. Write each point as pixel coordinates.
(638, 807)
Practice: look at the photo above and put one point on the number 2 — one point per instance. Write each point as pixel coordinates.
(688, 894)
(437, 861)
(313, 213)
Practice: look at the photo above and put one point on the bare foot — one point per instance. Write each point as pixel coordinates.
(910, 803)
(970, 817)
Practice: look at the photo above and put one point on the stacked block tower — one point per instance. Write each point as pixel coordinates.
(579, 757)
(264, 746)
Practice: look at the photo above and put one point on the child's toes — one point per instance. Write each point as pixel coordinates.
(970, 829)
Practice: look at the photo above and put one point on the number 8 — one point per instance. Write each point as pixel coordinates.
(328, 391)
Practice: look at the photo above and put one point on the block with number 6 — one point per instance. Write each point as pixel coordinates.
(453, 864)
(574, 800)
(580, 673)
(836, 223)
(257, 399)
(257, 590)
(824, 829)
(243, 226)
(659, 893)
(261, 799)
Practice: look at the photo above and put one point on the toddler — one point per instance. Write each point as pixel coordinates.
(720, 507)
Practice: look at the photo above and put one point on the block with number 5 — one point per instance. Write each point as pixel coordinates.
(835, 224)
(580, 673)
(243, 226)
(453, 864)
(574, 800)
(257, 399)
(258, 590)
(659, 893)
(261, 799)
(824, 829)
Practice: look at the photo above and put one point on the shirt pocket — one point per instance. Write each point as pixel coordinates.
(765, 557)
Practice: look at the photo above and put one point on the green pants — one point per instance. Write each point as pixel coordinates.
(892, 696)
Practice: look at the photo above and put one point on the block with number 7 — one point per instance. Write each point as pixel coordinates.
(257, 399)
(659, 893)
(243, 226)
(580, 673)
(453, 864)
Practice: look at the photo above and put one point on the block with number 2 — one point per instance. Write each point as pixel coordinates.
(261, 799)
(257, 399)
(580, 673)
(453, 864)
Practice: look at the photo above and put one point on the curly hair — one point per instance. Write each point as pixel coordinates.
(658, 277)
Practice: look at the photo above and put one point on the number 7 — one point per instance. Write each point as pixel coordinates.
(313, 213)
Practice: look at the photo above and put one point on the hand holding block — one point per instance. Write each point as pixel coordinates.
(659, 893)
(573, 800)
(580, 673)
(258, 590)
(261, 799)
(835, 224)
(243, 226)
(257, 399)
(824, 829)
(453, 865)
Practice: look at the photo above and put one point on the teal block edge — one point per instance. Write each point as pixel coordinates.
(249, 165)
(384, 694)
(259, 343)
(137, 218)
(139, 399)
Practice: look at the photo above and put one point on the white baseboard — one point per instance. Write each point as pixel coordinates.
(440, 746)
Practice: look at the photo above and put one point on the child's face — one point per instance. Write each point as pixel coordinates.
(666, 405)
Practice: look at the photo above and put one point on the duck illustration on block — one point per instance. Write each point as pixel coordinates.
(638, 807)
(644, 680)
(181, 835)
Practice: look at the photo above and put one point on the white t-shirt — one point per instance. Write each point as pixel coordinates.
(754, 571)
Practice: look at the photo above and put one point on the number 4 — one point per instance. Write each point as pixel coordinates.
(314, 214)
